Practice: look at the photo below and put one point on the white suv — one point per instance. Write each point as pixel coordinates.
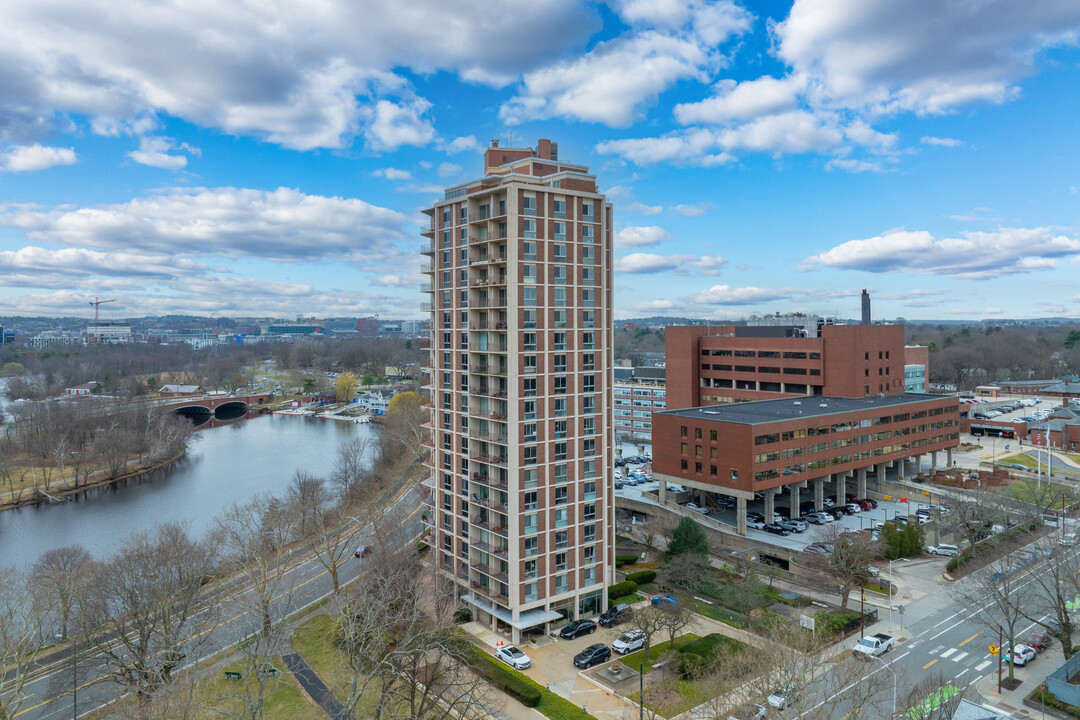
(629, 642)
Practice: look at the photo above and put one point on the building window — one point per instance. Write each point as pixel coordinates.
(560, 209)
(528, 501)
(528, 251)
(530, 455)
(588, 276)
(587, 342)
(559, 276)
(528, 319)
(590, 533)
(562, 540)
(588, 298)
(560, 407)
(530, 524)
(529, 410)
(590, 511)
(560, 385)
(558, 321)
(532, 547)
(560, 474)
(560, 561)
(561, 495)
(588, 469)
(529, 432)
(529, 570)
(587, 211)
(531, 592)
(528, 205)
(529, 363)
(528, 341)
(560, 429)
(560, 232)
(559, 296)
(528, 296)
(560, 451)
(528, 274)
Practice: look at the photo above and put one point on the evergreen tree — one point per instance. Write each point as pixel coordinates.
(687, 537)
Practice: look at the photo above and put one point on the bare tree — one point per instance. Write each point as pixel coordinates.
(332, 538)
(673, 620)
(351, 470)
(650, 621)
(147, 595)
(20, 641)
(849, 562)
(57, 581)
(404, 655)
(1001, 590)
(687, 570)
(307, 497)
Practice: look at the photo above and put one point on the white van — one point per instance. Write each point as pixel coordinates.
(1070, 539)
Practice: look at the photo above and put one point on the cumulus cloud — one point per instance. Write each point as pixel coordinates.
(941, 141)
(975, 255)
(697, 147)
(447, 169)
(852, 165)
(640, 236)
(395, 124)
(293, 74)
(693, 209)
(645, 209)
(465, 143)
(742, 101)
(154, 151)
(31, 158)
(682, 264)
(391, 173)
(282, 225)
(39, 267)
(727, 295)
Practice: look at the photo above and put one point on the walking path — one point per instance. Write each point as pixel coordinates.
(314, 687)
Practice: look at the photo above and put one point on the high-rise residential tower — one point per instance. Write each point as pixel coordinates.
(520, 389)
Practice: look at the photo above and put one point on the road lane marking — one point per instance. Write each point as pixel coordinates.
(929, 663)
(948, 652)
(938, 649)
(970, 639)
(961, 673)
(960, 657)
(983, 665)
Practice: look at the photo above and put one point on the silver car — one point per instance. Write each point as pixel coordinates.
(629, 642)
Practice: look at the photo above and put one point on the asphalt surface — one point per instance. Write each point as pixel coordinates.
(49, 695)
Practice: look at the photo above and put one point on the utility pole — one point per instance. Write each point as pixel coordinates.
(1001, 651)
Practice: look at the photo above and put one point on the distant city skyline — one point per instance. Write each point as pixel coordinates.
(761, 157)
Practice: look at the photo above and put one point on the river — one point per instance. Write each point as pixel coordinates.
(224, 465)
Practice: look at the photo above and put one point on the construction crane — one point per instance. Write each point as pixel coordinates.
(97, 303)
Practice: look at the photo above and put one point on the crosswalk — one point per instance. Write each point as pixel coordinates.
(964, 660)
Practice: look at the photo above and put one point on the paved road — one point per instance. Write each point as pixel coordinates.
(49, 696)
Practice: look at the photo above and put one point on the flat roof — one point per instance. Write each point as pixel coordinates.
(770, 411)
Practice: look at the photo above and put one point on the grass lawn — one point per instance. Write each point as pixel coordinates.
(313, 642)
(1018, 459)
(1042, 494)
(633, 660)
(678, 697)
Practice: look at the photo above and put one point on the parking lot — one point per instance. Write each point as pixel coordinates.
(866, 519)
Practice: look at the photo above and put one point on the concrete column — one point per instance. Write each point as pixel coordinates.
(819, 493)
(662, 492)
(795, 488)
(841, 487)
(740, 515)
(948, 457)
(933, 460)
(769, 495)
(860, 482)
(881, 467)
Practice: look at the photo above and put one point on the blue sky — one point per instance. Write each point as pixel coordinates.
(244, 158)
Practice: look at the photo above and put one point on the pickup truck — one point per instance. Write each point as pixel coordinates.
(873, 645)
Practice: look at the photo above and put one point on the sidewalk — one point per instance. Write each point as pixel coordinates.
(1031, 677)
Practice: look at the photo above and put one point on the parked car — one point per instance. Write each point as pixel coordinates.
(864, 504)
(1038, 640)
(837, 513)
(1020, 655)
(828, 502)
(943, 549)
(759, 524)
(697, 508)
(577, 628)
(755, 516)
(619, 485)
(817, 550)
(874, 572)
(513, 657)
(615, 615)
(783, 696)
(853, 508)
(902, 519)
(629, 641)
(749, 712)
(794, 525)
(873, 503)
(819, 518)
(664, 600)
(592, 655)
(776, 529)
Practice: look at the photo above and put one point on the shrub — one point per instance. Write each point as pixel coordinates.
(623, 600)
(513, 683)
(642, 576)
(463, 615)
(830, 623)
(621, 560)
(697, 657)
(955, 562)
(626, 587)
(705, 646)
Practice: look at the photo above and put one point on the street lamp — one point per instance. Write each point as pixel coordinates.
(886, 666)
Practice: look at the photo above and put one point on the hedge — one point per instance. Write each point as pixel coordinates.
(626, 587)
(549, 704)
(623, 600)
(513, 683)
(705, 646)
(642, 576)
(621, 560)
(955, 562)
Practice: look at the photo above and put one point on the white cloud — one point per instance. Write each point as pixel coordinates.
(391, 173)
(640, 236)
(976, 255)
(742, 101)
(852, 165)
(727, 295)
(682, 264)
(644, 209)
(466, 143)
(790, 132)
(919, 55)
(693, 210)
(618, 193)
(39, 267)
(31, 158)
(154, 151)
(447, 169)
(393, 125)
(282, 225)
(692, 147)
(941, 141)
(298, 75)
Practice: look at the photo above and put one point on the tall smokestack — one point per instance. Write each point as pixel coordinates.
(865, 307)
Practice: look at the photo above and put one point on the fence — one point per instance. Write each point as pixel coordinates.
(1058, 683)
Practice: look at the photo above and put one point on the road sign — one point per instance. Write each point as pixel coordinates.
(806, 621)
(993, 650)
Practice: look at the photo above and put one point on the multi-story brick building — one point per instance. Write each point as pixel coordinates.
(521, 389)
(744, 448)
(738, 363)
(635, 402)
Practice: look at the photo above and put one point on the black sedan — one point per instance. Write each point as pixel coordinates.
(592, 655)
(776, 529)
(576, 628)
